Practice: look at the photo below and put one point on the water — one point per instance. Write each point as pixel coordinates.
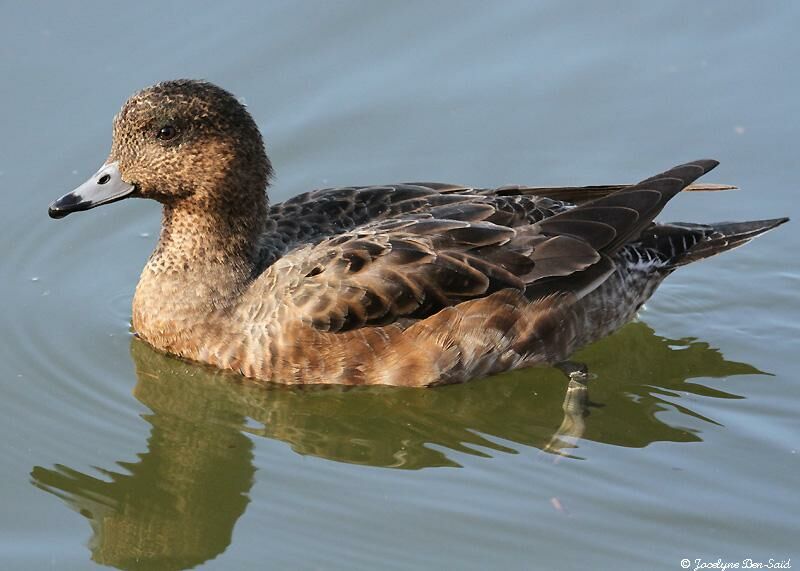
(115, 455)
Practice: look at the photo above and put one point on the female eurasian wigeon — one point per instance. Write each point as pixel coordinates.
(403, 284)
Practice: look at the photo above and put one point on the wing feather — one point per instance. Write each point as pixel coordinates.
(405, 252)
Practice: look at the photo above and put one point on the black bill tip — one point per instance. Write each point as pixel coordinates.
(65, 205)
(56, 213)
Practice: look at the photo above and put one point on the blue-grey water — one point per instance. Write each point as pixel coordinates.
(115, 455)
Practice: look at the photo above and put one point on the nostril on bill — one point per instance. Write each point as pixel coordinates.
(104, 179)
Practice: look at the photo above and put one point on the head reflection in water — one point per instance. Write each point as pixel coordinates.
(177, 505)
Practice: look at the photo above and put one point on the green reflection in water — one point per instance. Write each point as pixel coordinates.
(177, 506)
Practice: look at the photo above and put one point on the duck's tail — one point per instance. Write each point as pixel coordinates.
(681, 243)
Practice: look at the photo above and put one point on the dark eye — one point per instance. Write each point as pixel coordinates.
(167, 133)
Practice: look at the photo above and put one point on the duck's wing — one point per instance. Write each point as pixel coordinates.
(327, 212)
(413, 264)
(316, 215)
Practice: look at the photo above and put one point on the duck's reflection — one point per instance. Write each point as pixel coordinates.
(176, 507)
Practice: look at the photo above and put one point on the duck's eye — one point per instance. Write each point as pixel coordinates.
(167, 133)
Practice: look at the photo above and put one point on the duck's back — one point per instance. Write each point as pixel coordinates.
(311, 217)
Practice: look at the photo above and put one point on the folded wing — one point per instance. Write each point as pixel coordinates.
(411, 265)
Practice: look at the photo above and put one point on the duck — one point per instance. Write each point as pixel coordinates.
(413, 284)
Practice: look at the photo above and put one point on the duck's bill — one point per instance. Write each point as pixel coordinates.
(104, 186)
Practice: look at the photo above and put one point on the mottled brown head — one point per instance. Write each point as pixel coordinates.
(185, 137)
(180, 141)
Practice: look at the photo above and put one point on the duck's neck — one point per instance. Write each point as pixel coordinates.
(210, 242)
(204, 260)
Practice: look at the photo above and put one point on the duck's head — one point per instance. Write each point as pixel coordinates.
(177, 141)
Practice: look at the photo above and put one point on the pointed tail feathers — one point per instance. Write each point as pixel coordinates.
(724, 236)
(680, 243)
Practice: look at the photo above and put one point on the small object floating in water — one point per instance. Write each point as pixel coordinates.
(412, 284)
(558, 506)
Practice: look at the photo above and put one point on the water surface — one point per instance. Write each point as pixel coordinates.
(116, 455)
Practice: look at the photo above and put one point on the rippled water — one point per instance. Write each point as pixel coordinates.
(116, 455)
